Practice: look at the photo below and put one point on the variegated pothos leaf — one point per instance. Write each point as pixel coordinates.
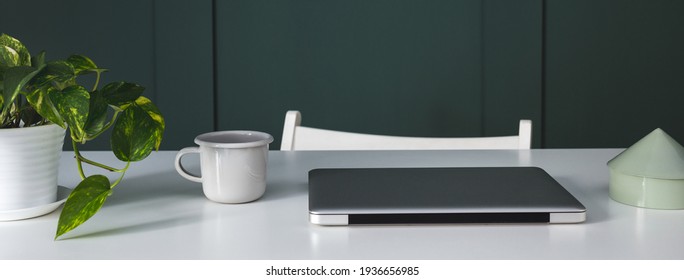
(73, 104)
(83, 202)
(137, 131)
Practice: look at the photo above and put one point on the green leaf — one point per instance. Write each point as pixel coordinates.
(84, 65)
(97, 115)
(137, 131)
(83, 202)
(73, 105)
(59, 72)
(8, 57)
(39, 60)
(24, 55)
(40, 100)
(15, 79)
(156, 116)
(121, 94)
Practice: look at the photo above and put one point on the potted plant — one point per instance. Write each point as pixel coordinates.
(37, 94)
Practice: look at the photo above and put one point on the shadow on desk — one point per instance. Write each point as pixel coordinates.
(143, 203)
(163, 223)
(164, 200)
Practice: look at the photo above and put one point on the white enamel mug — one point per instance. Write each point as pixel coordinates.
(232, 165)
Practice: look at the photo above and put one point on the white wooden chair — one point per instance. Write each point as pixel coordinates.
(299, 138)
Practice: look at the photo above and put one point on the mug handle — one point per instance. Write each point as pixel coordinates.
(181, 170)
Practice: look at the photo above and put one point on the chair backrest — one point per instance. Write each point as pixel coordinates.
(300, 138)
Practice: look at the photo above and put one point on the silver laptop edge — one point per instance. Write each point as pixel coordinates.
(343, 220)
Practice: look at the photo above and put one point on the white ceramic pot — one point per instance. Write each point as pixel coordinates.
(29, 163)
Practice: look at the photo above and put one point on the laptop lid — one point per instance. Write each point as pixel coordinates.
(351, 196)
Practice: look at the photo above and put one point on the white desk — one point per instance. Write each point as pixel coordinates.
(156, 214)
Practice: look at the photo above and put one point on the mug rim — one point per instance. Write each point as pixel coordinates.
(266, 139)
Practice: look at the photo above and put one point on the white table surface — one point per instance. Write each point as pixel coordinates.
(156, 214)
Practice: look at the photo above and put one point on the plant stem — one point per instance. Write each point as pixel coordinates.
(81, 159)
(78, 160)
(106, 127)
(123, 172)
(97, 80)
(100, 165)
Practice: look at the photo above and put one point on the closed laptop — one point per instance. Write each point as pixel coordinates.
(358, 196)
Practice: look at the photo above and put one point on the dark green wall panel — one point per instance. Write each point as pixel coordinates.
(615, 71)
(184, 69)
(512, 67)
(116, 34)
(389, 67)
